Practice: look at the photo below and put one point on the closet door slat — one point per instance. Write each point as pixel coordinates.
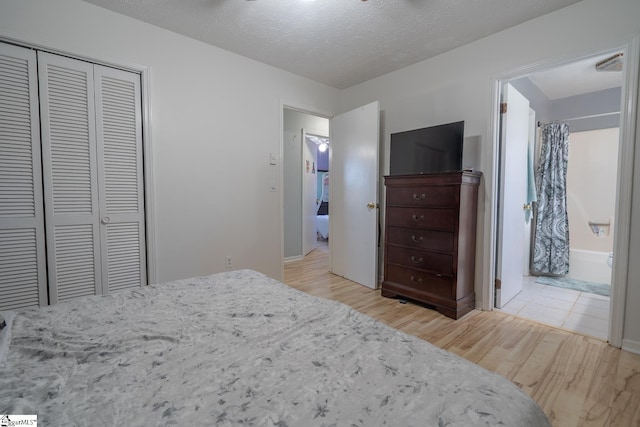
(70, 166)
(22, 248)
(119, 135)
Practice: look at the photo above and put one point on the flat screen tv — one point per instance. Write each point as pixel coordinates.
(428, 150)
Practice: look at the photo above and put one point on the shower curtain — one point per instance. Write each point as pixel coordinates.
(551, 241)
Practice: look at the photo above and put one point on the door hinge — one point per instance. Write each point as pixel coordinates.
(503, 108)
(498, 284)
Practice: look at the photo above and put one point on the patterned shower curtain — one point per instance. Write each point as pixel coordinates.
(551, 250)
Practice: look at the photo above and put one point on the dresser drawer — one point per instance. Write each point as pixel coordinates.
(414, 258)
(423, 196)
(435, 219)
(441, 241)
(420, 280)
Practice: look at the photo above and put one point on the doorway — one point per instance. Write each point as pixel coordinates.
(304, 168)
(588, 100)
(354, 154)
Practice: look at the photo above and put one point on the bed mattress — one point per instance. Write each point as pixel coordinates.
(322, 225)
(239, 348)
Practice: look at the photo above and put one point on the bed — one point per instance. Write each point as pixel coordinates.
(322, 225)
(239, 348)
(322, 208)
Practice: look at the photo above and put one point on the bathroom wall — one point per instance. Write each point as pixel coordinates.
(591, 187)
(600, 109)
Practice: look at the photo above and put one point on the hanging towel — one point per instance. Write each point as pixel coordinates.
(531, 184)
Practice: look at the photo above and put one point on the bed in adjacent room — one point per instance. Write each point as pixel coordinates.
(322, 209)
(239, 348)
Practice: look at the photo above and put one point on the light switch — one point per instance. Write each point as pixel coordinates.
(273, 159)
(273, 186)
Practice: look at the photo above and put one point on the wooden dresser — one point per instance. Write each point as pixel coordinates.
(430, 240)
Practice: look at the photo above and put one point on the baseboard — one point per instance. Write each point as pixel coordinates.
(631, 346)
(293, 258)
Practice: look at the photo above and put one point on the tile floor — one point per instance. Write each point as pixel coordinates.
(576, 311)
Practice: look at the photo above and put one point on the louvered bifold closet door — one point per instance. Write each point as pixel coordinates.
(22, 247)
(119, 134)
(71, 178)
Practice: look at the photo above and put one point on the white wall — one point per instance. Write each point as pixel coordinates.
(591, 187)
(459, 85)
(294, 122)
(215, 117)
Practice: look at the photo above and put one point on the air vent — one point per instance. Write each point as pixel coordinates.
(613, 63)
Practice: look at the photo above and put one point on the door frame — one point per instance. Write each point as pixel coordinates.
(304, 133)
(628, 117)
(306, 109)
(147, 145)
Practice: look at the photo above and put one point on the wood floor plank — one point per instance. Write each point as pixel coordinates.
(577, 380)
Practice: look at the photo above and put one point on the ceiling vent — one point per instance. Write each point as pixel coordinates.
(613, 63)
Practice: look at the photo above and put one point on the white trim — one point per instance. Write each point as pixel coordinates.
(491, 192)
(148, 152)
(623, 211)
(316, 132)
(628, 111)
(281, 187)
(148, 160)
(293, 258)
(303, 236)
(631, 346)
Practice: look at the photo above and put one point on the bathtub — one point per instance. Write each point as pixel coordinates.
(589, 265)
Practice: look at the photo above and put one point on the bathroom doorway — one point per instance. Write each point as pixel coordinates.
(588, 110)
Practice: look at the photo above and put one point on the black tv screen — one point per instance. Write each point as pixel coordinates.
(428, 150)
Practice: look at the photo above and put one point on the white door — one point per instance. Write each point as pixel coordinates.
(353, 200)
(513, 195)
(93, 190)
(23, 278)
(119, 143)
(309, 194)
(71, 177)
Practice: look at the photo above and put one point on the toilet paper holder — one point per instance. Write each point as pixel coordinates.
(600, 229)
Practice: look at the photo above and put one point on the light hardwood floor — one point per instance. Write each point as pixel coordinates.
(577, 380)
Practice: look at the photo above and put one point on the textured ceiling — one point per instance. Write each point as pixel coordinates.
(337, 42)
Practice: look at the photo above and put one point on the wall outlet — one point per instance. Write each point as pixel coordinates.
(227, 262)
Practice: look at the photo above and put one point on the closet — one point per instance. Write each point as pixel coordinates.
(71, 185)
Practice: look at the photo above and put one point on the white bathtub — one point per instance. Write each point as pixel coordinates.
(589, 265)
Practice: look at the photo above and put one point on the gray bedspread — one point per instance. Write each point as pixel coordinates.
(235, 349)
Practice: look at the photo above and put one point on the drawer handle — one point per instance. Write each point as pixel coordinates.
(420, 197)
(417, 282)
(416, 260)
(416, 239)
(439, 274)
(417, 218)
